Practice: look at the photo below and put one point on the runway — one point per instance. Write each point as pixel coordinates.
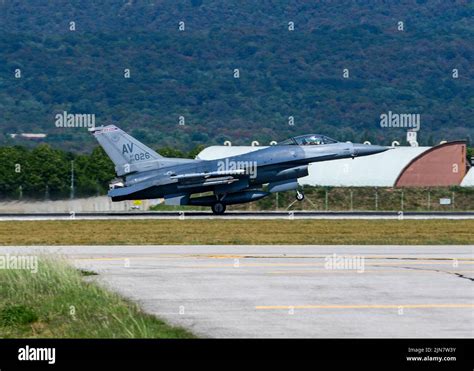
(239, 215)
(291, 291)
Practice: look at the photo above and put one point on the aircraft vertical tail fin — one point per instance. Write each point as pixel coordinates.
(128, 154)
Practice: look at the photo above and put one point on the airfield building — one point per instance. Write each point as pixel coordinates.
(404, 166)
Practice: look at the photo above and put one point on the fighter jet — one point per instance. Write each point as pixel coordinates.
(144, 174)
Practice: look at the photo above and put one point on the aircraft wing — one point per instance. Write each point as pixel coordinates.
(183, 181)
(123, 191)
(207, 175)
(208, 182)
(207, 179)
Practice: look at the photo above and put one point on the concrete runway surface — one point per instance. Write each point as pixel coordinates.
(243, 215)
(291, 291)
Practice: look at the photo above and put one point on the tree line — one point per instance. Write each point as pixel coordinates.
(44, 172)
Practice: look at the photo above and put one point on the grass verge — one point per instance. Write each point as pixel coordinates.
(252, 232)
(57, 302)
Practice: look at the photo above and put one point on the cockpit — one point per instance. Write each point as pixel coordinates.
(306, 140)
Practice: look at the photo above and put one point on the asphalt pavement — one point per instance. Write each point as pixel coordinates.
(291, 291)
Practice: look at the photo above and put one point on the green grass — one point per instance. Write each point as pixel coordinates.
(233, 232)
(59, 302)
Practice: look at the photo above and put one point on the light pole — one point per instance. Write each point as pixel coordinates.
(72, 179)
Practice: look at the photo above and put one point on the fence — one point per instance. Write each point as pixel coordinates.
(370, 199)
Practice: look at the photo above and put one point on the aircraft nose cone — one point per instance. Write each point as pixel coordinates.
(368, 149)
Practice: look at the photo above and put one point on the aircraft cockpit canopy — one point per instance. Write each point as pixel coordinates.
(309, 139)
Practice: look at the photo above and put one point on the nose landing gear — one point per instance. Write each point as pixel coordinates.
(299, 196)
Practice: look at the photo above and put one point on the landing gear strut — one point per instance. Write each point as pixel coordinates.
(218, 208)
(299, 196)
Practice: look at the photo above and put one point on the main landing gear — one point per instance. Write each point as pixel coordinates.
(299, 196)
(218, 208)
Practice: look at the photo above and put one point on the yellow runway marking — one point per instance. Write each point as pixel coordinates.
(365, 306)
(206, 256)
(241, 264)
(303, 272)
(166, 256)
(403, 262)
(161, 257)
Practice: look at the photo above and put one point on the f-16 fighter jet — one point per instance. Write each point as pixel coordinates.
(144, 174)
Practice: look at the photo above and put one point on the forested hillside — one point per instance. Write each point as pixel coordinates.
(191, 73)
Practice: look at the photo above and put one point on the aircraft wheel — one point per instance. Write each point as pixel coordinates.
(218, 208)
(299, 196)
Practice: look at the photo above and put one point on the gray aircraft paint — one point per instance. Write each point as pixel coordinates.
(235, 179)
